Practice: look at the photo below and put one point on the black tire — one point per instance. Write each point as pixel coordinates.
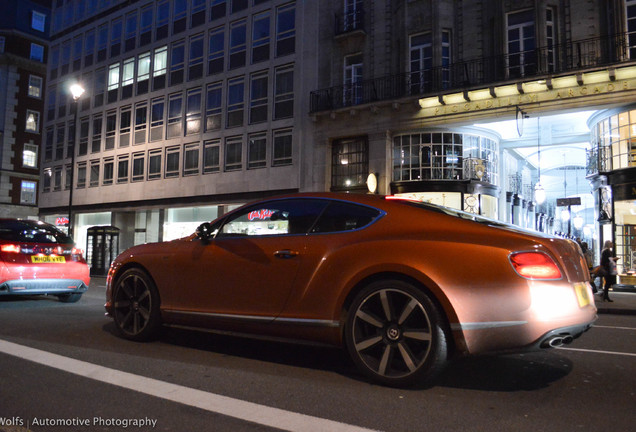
(136, 306)
(69, 298)
(396, 335)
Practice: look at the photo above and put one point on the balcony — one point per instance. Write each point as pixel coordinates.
(535, 64)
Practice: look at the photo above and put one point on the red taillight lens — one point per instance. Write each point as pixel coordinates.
(535, 265)
(10, 248)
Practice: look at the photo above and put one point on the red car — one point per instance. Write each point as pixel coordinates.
(401, 285)
(37, 258)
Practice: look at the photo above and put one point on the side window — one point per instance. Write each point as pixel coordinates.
(281, 217)
(342, 216)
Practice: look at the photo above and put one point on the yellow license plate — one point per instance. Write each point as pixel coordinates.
(40, 259)
(582, 294)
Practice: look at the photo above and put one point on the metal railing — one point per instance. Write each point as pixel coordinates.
(541, 62)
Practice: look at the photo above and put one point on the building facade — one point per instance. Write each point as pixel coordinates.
(191, 107)
(409, 91)
(24, 29)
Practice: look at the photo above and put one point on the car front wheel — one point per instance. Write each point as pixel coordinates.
(396, 335)
(136, 306)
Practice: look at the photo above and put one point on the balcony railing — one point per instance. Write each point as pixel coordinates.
(551, 60)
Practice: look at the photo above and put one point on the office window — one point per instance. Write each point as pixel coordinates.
(111, 130)
(260, 37)
(83, 141)
(191, 159)
(60, 132)
(37, 52)
(123, 168)
(28, 192)
(257, 151)
(349, 163)
(233, 154)
(48, 145)
(282, 148)
(143, 72)
(211, 156)
(179, 16)
(51, 103)
(284, 92)
(97, 134)
(102, 42)
(113, 82)
(81, 175)
(89, 48)
(157, 119)
(193, 111)
(35, 86)
(46, 180)
(116, 28)
(128, 78)
(94, 173)
(551, 37)
(145, 25)
(57, 178)
(54, 59)
(175, 112)
(216, 50)
(131, 32)
(195, 60)
(138, 166)
(99, 87)
(238, 5)
(217, 9)
(32, 121)
(38, 21)
(125, 120)
(235, 102)
(213, 106)
(109, 171)
(177, 59)
(521, 43)
(66, 57)
(78, 50)
(175, 108)
(154, 164)
(68, 169)
(163, 16)
(197, 13)
(160, 68)
(446, 58)
(258, 97)
(30, 156)
(141, 122)
(172, 162)
(238, 40)
(285, 30)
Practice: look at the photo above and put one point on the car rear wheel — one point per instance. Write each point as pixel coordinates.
(396, 335)
(69, 298)
(136, 306)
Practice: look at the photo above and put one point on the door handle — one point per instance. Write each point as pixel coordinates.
(286, 254)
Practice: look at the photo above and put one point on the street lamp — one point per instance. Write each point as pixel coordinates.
(76, 91)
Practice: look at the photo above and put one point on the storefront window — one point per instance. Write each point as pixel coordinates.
(445, 156)
(614, 139)
(181, 222)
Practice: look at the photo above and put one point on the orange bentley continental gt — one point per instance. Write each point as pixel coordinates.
(401, 285)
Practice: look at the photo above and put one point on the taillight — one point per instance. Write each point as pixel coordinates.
(535, 265)
(10, 248)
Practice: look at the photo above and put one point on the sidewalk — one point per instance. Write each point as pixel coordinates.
(624, 303)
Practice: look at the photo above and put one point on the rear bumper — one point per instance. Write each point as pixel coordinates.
(42, 286)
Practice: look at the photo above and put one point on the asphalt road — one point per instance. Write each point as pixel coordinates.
(63, 369)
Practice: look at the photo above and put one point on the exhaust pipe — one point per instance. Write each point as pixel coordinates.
(558, 341)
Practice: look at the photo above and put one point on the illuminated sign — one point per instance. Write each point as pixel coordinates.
(61, 221)
(262, 214)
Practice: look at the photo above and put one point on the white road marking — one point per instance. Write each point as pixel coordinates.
(598, 351)
(614, 327)
(247, 411)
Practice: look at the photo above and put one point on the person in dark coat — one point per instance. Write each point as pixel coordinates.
(608, 269)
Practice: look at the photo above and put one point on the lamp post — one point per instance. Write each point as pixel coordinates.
(76, 91)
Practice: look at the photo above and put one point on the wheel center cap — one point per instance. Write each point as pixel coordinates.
(393, 332)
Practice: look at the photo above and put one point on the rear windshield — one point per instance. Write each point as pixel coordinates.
(31, 232)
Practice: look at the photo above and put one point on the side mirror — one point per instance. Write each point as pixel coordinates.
(204, 232)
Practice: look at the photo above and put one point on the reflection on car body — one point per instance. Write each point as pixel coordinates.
(402, 286)
(37, 258)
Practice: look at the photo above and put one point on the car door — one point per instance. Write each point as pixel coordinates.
(249, 267)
